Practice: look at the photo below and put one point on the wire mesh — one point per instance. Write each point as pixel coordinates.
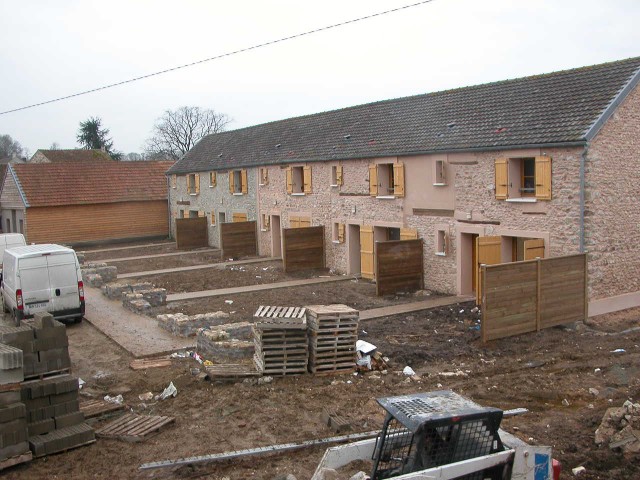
(393, 450)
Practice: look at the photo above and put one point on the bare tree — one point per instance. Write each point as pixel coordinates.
(54, 146)
(177, 131)
(9, 147)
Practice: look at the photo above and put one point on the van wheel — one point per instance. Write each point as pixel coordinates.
(77, 320)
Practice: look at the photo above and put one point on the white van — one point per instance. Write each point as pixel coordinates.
(42, 278)
(10, 240)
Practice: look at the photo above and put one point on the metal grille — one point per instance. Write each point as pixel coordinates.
(393, 450)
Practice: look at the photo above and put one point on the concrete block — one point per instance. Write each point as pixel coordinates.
(40, 414)
(58, 333)
(29, 361)
(36, 403)
(10, 357)
(12, 412)
(41, 427)
(9, 398)
(15, 375)
(68, 420)
(13, 433)
(44, 320)
(14, 450)
(63, 439)
(16, 336)
(63, 398)
(65, 408)
(55, 359)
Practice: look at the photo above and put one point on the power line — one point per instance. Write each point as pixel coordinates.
(228, 54)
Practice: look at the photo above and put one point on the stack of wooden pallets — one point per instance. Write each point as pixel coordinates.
(333, 331)
(280, 336)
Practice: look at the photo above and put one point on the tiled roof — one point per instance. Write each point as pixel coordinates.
(554, 108)
(75, 154)
(84, 182)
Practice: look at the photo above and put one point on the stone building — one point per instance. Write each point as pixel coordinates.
(541, 166)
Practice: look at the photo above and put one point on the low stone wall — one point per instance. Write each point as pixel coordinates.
(225, 351)
(97, 274)
(188, 325)
(116, 291)
(143, 300)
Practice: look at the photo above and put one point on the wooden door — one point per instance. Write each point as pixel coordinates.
(488, 252)
(533, 248)
(366, 252)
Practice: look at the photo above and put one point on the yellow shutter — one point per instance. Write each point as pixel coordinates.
(543, 178)
(398, 179)
(213, 217)
(264, 176)
(502, 178)
(239, 217)
(408, 234)
(489, 253)
(231, 185)
(339, 175)
(366, 252)
(212, 179)
(266, 220)
(341, 232)
(534, 249)
(201, 213)
(189, 183)
(174, 181)
(289, 181)
(373, 180)
(243, 177)
(294, 222)
(197, 179)
(304, 222)
(307, 178)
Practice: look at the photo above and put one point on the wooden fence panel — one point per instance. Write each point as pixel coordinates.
(398, 266)
(191, 233)
(303, 248)
(522, 297)
(238, 239)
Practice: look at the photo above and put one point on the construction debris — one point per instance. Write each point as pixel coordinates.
(134, 428)
(189, 325)
(620, 428)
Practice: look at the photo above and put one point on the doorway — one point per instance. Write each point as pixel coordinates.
(353, 239)
(276, 236)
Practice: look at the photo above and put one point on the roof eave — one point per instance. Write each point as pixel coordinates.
(23, 196)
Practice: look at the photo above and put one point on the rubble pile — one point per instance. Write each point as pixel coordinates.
(116, 291)
(188, 325)
(620, 428)
(97, 274)
(143, 300)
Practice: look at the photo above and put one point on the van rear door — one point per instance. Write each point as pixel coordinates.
(63, 279)
(34, 283)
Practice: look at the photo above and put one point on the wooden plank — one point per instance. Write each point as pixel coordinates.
(398, 266)
(132, 427)
(144, 363)
(97, 408)
(191, 233)
(17, 460)
(238, 239)
(303, 248)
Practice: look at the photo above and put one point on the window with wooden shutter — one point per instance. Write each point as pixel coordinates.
(294, 222)
(174, 181)
(373, 180)
(502, 178)
(231, 182)
(543, 178)
(341, 230)
(339, 175)
(398, 179)
(239, 217)
(197, 182)
(212, 179)
(265, 222)
(213, 217)
(533, 248)
(243, 180)
(441, 242)
(304, 222)
(307, 178)
(189, 183)
(289, 180)
(408, 234)
(201, 213)
(264, 176)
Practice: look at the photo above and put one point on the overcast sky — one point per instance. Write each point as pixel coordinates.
(51, 49)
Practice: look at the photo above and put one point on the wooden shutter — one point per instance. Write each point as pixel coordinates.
(373, 180)
(197, 180)
(189, 183)
(294, 222)
(543, 178)
(534, 248)
(264, 176)
(408, 234)
(398, 179)
(366, 252)
(231, 183)
(489, 253)
(304, 222)
(243, 180)
(266, 220)
(339, 175)
(212, 179)
(174, 181)
(502, 178)
(306, 170)
(201, 213)
(341, 232)
(289, 180)
(213, 217)
(239, 217)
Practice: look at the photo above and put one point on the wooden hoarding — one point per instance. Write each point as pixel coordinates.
(191, 233)
(522, 297)
(238, 239)
(303, 248)
(398, 266)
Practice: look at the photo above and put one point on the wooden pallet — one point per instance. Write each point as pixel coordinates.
(279, 312)
(42, 376)
(231, 371)
(144, 363)
(98, 408)
(17, 460)
(288, 367)
(134, 428)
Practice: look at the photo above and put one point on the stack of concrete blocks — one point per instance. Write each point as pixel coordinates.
(143, 300)
(97, 274)
(225, 343)
(52, 415)
(116, 291)
(188, 325)
(14, 447)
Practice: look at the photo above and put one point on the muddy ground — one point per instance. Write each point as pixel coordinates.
(537, 371)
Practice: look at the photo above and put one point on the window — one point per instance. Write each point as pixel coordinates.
(439, 177)
(265, 222)
(174, 181)
(213, 217)
(264, 176)
(299, 222)
(336, 175)
(239, 217)
(193, 184)
(299, 180)
(180, 213)
(338, 232)
(386, 180)
(526, 179)
(201, 213)
(193, 214)
(212, 179)
(222, 217)
(441, 242)
(238, 182)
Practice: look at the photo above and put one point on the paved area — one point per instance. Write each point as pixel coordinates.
(220, 265)
(172, 254)
(114, 249)
(254, 288)
(413, 306)
(137, 334)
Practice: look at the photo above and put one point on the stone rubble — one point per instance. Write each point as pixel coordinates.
(188, 325)
(115, 291)
(620, 428)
